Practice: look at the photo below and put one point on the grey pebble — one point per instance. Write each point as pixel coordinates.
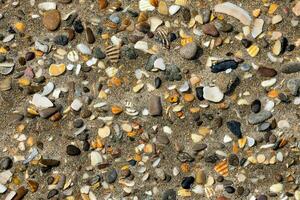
(189, 51)
(294, 85)
(256, 118)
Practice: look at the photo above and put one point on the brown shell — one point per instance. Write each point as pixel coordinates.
(102, 4)
(143, 16)
(111, 25)
(125, 23)
(222, 168)
(113, 53)
(162, 35)
(154, 2)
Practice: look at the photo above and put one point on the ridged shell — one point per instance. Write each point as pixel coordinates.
(209, 192)
(145, 5)
(143, 16)
(113, 53)
(222, 168)
(154, 3)
(162, 35)
(125, 23)
(253, 50)
(102, 4)
(111, 25)
(181, 2)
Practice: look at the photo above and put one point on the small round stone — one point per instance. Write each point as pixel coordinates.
(73, 150)
(187, 182)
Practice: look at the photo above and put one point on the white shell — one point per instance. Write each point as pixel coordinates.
(48, 89)
(234, 11)
(154, 23)
(257, 27)
(173, 9)
(47, 6)
(145, 5)
(41, 102)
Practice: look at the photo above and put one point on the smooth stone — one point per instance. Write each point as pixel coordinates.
(96, 158)
(6, 163)
(78, 27)
(199, 93)
(78, 123)
(5, 84)
(189, 51)
(210, 29)
(294, 85)
(84, 49)
(235, 128)
(3, 188)
(8, 38)
(76, 104)
(104, 132)
(51, 20)
(141, 45)
(47, 89)
(229, 189)
(157, 82)
(276, 188)
(199, 147)
(47, 112)
(291, 68)
(73, 150)
(246, 43)
(224, 27)
(163, 139)
(206, 13)
(90, 38)
(213, 94)
(41, 46)
(130, 53)
(268, 83)
(267, 72)
(187, 182)
(21, 193)
(98, 53)
(223, 66)
(185, 87)
(111, 176)
(173, 73)
(264, 126)
(41, 102)
(29, 56)
(256, 106)
(150, 63)
(155, 106)
(256, 118)
(169, 194)
(52, 193)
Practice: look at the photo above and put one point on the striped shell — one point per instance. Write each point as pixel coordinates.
(113, 53)
(222, 168)
(162, 35)
(143, 16)
(209, 192)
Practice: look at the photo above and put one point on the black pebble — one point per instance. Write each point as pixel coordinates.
(187, 182)
(199, 93)
(223, 66)
(73, 150)
(2, 58)
(86, 146)
(78, 27)
(61, 40)
(262, 197)
(233, 160)
(157, 82)
(52, 193)
(6, 163)
(235, 128)
(29, 56)
(229, 189)
(256, 106)
(232, 86)
(246, 43)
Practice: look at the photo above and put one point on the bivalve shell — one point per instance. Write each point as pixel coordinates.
(253, 50)
(113, 53)
(222, 168)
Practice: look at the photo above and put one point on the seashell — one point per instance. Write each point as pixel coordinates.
(57, 69)
(257, 27)
(145, 5)
(162, 35)
(181, 2)
(222, 168)
(173, 9)
(141, 45)
(47, 6)
(234, 11)
(113, 53)
(253, 50)
(115, 6)
(209, 192)
(163, 8)
(6, 68)
(102, 4)
(276, 49)
(155, 22)
(143, 16)
(110, 24)
(154, 3)
(185, 41)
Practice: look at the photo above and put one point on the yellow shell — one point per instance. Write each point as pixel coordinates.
(154, 3)
(222, 168)
(185, 41)
(20, 26)
(163, 8)
(253, 50)
(24, 81)
(57, 69)
(273, 7)
(181, 2)
(143, 16)
(256, 12)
